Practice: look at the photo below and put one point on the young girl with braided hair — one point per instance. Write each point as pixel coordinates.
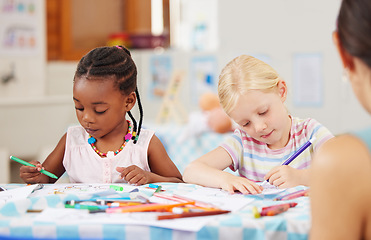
(106, 147)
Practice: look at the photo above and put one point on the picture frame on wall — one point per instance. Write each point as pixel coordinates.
(203, 74)
(22, 48)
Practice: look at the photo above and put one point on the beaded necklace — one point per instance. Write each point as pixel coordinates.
(128, 136)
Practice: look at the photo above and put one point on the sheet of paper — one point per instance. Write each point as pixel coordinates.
(218, 198)
(16, 194)
(81, 189)
(270, 189)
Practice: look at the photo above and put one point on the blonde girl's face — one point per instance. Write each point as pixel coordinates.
(100, 107)
(263, 116)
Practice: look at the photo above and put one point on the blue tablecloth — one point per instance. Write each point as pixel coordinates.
(16, 223)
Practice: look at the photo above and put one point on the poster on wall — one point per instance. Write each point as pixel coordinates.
(22, 48)
(199, 25)
(161, 71)
(203, 76)
(20, 28)
(308, 80)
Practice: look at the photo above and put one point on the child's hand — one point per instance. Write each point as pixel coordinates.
(233, 183)
(32, 175)
(283, 176)
(134, 175)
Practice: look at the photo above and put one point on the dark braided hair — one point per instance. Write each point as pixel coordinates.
(114, 61)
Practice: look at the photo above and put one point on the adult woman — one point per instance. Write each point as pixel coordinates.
(341, 173)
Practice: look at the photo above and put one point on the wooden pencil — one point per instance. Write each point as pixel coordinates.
(192, 214)
(146, 207)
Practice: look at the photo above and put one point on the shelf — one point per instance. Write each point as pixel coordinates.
(41, 100)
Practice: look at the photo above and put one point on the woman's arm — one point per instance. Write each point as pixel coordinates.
(340, 189)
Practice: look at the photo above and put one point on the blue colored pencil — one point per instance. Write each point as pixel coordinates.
(298, 152)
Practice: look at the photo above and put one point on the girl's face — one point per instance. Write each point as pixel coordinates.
(100, 107)
(263, 116)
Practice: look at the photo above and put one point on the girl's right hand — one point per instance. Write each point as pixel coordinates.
(33, 175)
(234, 183)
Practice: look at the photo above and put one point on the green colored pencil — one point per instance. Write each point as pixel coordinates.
(31, 165)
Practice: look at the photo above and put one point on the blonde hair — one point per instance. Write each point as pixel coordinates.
(242, 74)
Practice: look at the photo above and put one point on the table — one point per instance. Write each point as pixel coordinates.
(16, 223)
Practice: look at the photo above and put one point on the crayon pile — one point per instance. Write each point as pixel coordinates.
(280, 208)
(181, 208)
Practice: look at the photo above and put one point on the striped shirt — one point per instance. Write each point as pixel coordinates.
(254, 159)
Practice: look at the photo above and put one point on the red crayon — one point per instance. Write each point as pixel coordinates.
(300, 193)
(292, 204)
(276, 209)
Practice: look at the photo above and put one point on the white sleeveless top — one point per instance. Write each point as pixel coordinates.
(84, 165)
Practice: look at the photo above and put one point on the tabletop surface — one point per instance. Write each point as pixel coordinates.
(57, 222)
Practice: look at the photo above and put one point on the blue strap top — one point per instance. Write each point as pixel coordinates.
(365, 136)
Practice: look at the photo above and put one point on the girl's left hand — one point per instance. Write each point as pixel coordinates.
(283, 176)
(134, 175)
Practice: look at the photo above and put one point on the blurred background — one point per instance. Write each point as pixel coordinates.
(180, 47)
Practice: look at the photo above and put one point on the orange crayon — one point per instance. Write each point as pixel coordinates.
(147, 207)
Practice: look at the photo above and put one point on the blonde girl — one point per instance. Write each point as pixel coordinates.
(253, 95)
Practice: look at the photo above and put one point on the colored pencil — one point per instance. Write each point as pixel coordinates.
(49, 174)
(88, 207)
(298, 152)
(147, 207)
(177, 198)
(300, 193)
(116, 188)
(272, 210)
(292, 204)
(277, 209)
(192, 214)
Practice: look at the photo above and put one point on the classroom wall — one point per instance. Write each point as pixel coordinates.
(280, 29)
(276, 29)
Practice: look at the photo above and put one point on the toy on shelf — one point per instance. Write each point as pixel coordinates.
(211, 118)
